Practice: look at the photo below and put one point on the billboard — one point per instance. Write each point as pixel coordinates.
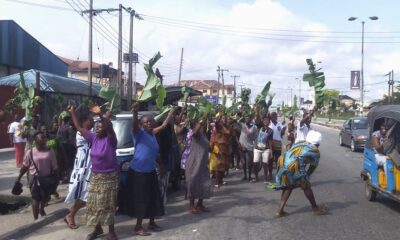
(355, 80)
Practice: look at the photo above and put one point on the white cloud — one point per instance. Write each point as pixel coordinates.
(257, 60)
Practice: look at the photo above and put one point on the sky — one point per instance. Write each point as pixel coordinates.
(259, 40)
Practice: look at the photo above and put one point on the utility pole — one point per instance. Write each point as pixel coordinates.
(129, 94)
(390, 88)
(223, 83)
(392, 83)
(291, 96)
(119, 73)
(219, 76)
(180, 68)
(90, 46)
(93, 12)
(299, 93)
(234, 85)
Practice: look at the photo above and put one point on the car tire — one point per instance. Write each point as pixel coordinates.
(341, 140)
(353, 146)
(370, 194)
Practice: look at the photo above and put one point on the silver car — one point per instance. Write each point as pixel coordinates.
(354, 133)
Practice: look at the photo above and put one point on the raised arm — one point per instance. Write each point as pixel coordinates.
(257, 118)
(165, 123)
(135, 120)
(76, 122)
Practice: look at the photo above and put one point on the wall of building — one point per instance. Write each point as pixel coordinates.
(19, 50)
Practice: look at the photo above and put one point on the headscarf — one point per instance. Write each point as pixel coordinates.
(314, 137)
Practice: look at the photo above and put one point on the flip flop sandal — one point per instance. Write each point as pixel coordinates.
(111, 237)
(203, 209)
(154, 228)
(93, 235)
(70, 225)
(42, 213)
(323, 210)
(279, 215)
(194, 211)
(142, 233)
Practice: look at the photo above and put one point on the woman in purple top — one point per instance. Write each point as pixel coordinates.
(144, 199)
(102, 196)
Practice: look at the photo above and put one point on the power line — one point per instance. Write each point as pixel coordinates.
(236, 34)
(246, 31)
(41, 5)
(256, 28)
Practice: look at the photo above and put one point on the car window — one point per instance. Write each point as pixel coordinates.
(123, 130)
(360, 123)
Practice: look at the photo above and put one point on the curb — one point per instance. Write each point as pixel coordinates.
(21, 232)
(327, 125)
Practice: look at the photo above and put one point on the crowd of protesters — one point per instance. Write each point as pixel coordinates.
(83, 155)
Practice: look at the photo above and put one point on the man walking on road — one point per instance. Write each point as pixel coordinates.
(15, 132)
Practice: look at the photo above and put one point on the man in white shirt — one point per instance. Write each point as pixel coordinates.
(303, 127)
(15, 132)
(278, 132)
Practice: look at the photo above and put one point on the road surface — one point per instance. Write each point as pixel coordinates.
(242, 210)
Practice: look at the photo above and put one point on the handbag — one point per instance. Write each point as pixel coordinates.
(48, 183)
(17, 189)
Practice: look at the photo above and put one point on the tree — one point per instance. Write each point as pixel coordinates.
(315, 79)
(295, 103)
(395, 99)
(331, 99)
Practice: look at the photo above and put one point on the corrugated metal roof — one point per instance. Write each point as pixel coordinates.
(52, 83)
(19, 49)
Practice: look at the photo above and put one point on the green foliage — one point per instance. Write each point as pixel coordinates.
(163, 113)
(153, 87)
(295, 102)
(185, 94)
(110, 94)
(395, 99)
(260, 100)
(315, 79)
(331, 98)
(202, 109)
(23, 98)
(245, 95)
(64, 114)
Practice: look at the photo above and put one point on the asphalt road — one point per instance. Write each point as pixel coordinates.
(242, 210)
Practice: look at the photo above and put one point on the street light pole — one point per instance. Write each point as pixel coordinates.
(373, 18)
(362, 68)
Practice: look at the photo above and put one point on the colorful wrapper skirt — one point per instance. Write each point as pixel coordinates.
(102, 199)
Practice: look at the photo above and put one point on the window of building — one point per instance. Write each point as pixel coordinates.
(204, 90)
(229, 91)
(215, 91)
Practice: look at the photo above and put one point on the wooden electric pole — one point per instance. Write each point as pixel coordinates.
(129, 94)
(223, 83)
(234, 85)
(119, 73)
(90, 47)
(180, 68)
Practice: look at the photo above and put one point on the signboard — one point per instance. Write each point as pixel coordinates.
(355, 80)
(212, 99)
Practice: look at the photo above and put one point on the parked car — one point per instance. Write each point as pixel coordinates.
(354, 133)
